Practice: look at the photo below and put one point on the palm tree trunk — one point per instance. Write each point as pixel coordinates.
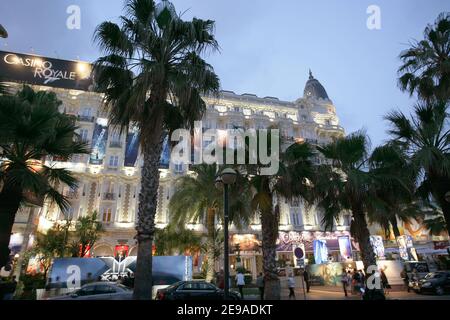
(440, 186)
(362, 235)
(394, 225)
(269, 230)
(9, 204)
(145, 226)
(210, 246)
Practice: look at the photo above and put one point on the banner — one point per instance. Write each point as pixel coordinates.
(37, 70)
(166, 270)
(131, 148)
(378, 246)
(345, 247)
(165, 154)
(320, 251)
(406, 248)
(99, 138)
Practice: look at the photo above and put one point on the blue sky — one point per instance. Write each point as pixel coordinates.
(267, 47)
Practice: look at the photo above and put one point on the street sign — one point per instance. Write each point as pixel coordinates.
(299, 254)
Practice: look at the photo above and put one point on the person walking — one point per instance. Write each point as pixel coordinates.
(260, 285)
(405, 277)
(344, 281)
(306, 278)
(240, 281)
(291, 285)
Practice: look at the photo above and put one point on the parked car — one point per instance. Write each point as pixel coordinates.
(434, 282)
(99, 291)
(193, 290)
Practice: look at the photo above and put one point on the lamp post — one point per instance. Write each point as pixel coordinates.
(225, 178)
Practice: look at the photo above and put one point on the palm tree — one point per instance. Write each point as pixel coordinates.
(3, 32)
(196, 199)
(176, 240)
(347, 183)
(426, 139)
(32, 129)
(397, 200)
(291, 181)
(153, 77)
(425, 68)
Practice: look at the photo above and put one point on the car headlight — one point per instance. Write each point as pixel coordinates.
(426, 284)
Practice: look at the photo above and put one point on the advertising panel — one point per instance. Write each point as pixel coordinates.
(131, 148)
(378, 246)
(75, 272)
(320, 251)
(99, 138)
(37, 70)
(406, 248)
(345, 247)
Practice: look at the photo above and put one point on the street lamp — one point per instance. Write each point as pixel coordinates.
(225, 178)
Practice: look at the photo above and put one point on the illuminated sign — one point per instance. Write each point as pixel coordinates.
(31, 69)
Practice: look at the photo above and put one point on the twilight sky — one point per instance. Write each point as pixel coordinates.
(266, 46)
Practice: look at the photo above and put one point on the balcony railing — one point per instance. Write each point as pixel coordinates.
(115, 144)
(109, 196)
(85, 118)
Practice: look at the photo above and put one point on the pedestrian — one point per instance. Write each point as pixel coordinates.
(306, 278)
(260, 285)
(344, 281)
(384, 281)
(356, 282)
(221, 280)
(291, 285)
(405, 277)
(240, 281)
(10, 289)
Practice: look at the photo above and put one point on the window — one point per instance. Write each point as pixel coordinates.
(113, 161)
(295, 218)
(107, 213)
(104, 289)
(303, 117)
(84, 135)
(178, 167)
(347, 220)
(327, 122)
(86, 112)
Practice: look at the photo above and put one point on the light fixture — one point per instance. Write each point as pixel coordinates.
(228, 176)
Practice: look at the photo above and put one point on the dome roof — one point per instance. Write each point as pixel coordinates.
(314, 89)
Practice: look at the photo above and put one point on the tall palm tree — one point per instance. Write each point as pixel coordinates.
(3, 32)
(397, 200)
(291, 180)
(32, 129)
(153, 77)
(425, 68)
(426, 138)
(346, 183)
(196, 199)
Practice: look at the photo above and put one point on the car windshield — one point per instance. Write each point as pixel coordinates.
(123, 287)
(433, 276)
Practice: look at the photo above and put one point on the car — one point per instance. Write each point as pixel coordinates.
(434, 282)
(99, 291)
(194, 290)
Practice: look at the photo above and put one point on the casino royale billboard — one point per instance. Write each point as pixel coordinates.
(37, 70)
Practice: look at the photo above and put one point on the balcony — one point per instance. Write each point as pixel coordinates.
(115, 144)
(82, 118)
(110, 196)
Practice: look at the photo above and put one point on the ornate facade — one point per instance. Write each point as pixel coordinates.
(111, 189)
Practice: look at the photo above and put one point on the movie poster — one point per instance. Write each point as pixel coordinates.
(378, 246)
(406, 248)
(99, 139)
(165, 154)
(345, 247)
(131, 148)
(320, 251)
